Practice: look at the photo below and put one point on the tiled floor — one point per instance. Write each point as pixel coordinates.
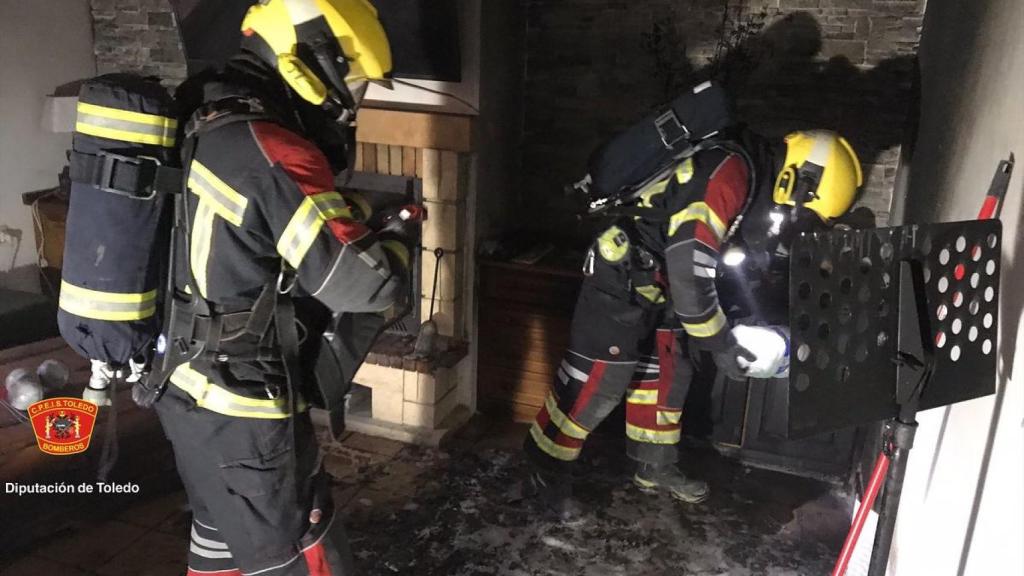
(458, 511)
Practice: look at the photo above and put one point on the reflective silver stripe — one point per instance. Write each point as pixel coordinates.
(574, 372)
(206, 542)
(704, 272)
(226, 202)
(207, 553)
(110, 306)
(306, 223)
(705, 259)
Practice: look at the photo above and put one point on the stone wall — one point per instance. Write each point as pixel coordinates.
(594, 66)
(137, 36)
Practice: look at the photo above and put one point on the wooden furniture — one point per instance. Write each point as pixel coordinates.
(525, 312)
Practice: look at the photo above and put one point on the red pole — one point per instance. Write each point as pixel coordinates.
(877, 478)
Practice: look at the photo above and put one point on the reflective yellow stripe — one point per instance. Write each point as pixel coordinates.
(229, 204)
(652, 436)
(125, 125)
(564, 423)
(669, 418)
(218, 399)
(201, 241)
(700, 212)
(652, 190)
(642, 396)
(549, 446)
(707, 329)
(652, 293)
(112, 306)
(306, 223)
(684, 172)
(613, 244)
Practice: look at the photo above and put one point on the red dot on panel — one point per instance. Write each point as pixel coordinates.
(959, 272)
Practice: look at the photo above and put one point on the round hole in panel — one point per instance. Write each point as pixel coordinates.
(976, 252)
(954, 353)
(987, 320)
(961, 243)
(861, 354)
(822, 358)
(992, 240)
(959, 271)
(990, 267)
(941, 312)
(974, 306)
(986, 346)
(865, 265)
(882, 339)
(943, 285)
(975, 280)
(803, 322)
(864, 294)
(862, 323)
(940, 339)
(944, 256)
(846, 285)
(990, 294)
(886, 280)
(886, 252)
(926, 245)
(927, 274)
(825, 301)
(972, 333)
(825, 269)
(846, 252)
(803, 352)
(958, 299)
(957, 326)
(845, 314)
(803, 290)
(824, 330)
(803, 382)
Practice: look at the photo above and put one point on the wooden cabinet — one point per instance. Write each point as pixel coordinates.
(525, 312)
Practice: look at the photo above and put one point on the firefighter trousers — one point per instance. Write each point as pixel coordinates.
(258, 492)
(619, 347)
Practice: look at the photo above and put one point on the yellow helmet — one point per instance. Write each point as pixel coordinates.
(821, 173)
(325, 50)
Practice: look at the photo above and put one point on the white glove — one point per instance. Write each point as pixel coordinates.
(771, 346)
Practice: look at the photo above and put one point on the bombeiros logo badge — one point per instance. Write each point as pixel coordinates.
(63, 426)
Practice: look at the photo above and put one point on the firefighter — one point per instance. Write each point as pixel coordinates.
(267, 226)
(649, 296)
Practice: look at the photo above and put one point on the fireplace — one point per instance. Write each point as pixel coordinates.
(426, 157)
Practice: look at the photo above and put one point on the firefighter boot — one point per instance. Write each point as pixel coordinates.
(668, 477)
(555, 492)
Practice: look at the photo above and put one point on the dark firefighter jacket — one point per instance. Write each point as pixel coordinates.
(703, 196)
(262, 197)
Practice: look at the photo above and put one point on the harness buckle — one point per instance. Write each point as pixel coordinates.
(147, 167)
(671, 129)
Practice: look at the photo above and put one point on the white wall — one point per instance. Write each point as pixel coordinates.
(962, 511)
(43, 43)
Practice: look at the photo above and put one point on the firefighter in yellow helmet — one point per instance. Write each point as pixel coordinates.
(267, 229)
(649, 297)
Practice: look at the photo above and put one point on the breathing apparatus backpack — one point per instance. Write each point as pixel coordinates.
(643, 153)
(124, 163)
(121, 305)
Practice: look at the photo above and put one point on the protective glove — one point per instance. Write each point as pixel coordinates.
(734, 360)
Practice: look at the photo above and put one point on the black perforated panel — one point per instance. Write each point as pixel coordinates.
(844, 319)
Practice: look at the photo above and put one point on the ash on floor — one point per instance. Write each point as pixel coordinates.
(413, 510)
